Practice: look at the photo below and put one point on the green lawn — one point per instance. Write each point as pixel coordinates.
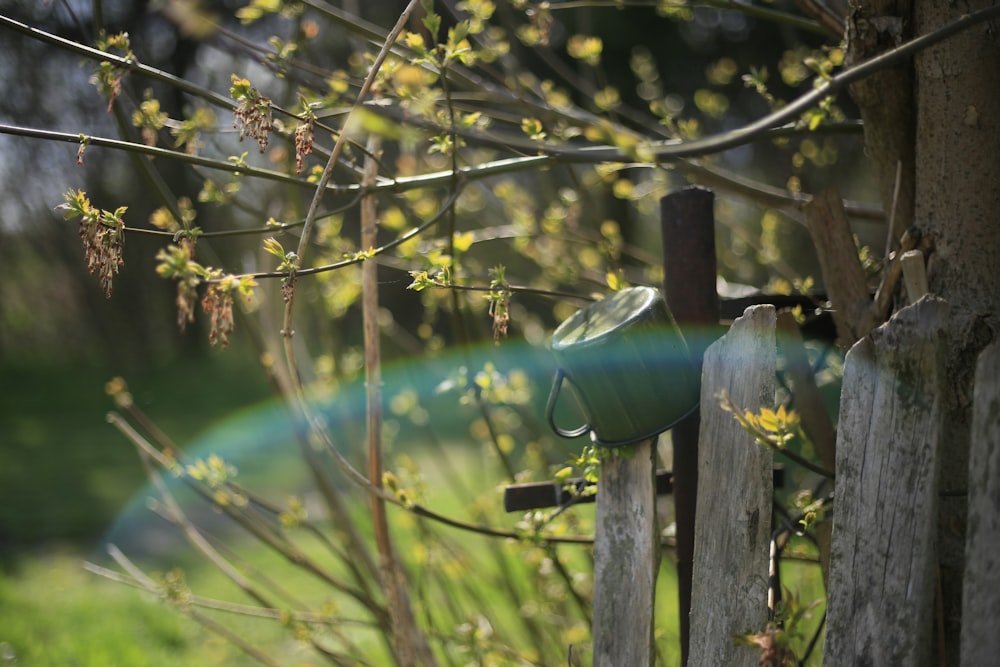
(67, 474)
(54, 614)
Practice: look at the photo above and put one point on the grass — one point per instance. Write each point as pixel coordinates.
(66, 474)
(54, 614)
(70, 474)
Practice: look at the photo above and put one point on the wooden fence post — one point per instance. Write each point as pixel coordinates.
(629, 368)
(687, 223)
(981, 595)
(885, 510)
(735, 486)
(626, 551)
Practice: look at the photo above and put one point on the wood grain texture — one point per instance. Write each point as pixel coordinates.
(881, 597)
(957, 102)
(626, 558)
(843, 275)
(734, 495)
(981, 597)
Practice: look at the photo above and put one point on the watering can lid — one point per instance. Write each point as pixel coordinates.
(602, 317)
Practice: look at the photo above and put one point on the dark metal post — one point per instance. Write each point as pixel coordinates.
(689, 278)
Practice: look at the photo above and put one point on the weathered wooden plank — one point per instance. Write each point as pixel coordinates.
(734, 495)
(626, 542)
(843, 274)
(881, 593)
(981, 590)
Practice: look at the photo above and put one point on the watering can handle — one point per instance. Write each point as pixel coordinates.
(557, 383)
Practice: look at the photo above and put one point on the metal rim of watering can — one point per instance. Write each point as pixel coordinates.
(550, 405)
(648, 297)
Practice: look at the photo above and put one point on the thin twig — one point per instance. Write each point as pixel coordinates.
(341, 138)
(153, 151)
(286, 330)
(833, 24)
(127, 64)
(754, 11)
(410, 643)
(703, 173)
(266, 536)
(657, 150)
(676, 149)
(832, 85)
(891, 234)
(236, 608)
(211, 624)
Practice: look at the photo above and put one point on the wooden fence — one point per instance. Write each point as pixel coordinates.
(882, 564)
(877, 555)
(881, 593)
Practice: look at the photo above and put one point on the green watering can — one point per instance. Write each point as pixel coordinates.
(628, 366)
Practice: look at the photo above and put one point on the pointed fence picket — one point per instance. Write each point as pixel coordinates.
(733, 522)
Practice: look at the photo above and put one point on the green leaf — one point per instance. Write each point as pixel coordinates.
(431, 20)
(420, 282)
(273, 246)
